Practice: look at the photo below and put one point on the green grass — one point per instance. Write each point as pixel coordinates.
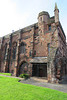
(8, 74)
(11, 89)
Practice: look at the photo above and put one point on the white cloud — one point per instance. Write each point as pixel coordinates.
(9, 18)
(15, 14)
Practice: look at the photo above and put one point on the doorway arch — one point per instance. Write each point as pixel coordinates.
(23, 68)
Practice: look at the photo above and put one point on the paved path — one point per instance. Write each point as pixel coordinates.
(60, 87)
(64, 80)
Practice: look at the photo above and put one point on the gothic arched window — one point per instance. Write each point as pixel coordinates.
(14, 50)
(14, 53)
(48, 48)
(5, 55)
(22, 48)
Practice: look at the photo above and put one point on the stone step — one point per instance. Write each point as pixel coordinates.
(40, 79)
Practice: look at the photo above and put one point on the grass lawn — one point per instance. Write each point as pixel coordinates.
(9, 74)
(11, 89)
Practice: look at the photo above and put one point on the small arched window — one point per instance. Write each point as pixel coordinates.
(40, 18)
(22, 48)
(49, 27)
(30, 53)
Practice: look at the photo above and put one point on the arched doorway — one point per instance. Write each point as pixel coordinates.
(23, 68)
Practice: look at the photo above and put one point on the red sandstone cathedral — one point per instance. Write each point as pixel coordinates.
(38, 50)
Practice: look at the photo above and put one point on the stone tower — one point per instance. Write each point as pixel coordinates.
(43, 18)
(56, 13)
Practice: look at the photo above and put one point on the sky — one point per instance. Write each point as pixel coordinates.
(17, 14)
